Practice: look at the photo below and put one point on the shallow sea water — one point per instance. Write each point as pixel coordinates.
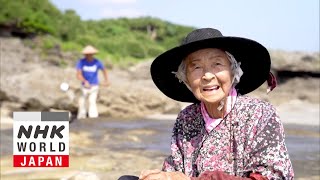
(303, 141)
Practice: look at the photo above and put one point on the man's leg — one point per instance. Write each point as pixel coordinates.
(82, 112)
(93, 111)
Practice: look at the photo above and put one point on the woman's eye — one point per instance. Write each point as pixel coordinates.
(195, 66)
(216, 64)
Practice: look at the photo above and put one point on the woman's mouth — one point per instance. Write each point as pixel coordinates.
(211, 88)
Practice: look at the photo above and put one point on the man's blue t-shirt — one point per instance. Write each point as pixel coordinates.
(90, 70)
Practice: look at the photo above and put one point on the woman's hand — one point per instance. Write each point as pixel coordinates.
(146, 173)
(161, 175)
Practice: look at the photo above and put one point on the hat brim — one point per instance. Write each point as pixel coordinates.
(89, 52)
(254, 58)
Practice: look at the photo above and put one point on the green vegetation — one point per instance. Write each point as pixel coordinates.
(120, 40)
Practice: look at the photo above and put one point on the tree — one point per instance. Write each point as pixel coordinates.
(70, 25)
(30, 16)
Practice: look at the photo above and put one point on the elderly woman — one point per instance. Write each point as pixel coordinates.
(223, 134)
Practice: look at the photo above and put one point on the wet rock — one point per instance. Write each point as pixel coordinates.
(34, 104)
(65, 104)
(3, 96)
(295, 61)
(85, 176)
(141, 70)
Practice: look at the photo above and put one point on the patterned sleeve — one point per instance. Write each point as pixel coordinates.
(267, 149)
(175, 161)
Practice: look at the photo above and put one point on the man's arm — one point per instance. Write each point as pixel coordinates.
(105, 74)
(82, 79)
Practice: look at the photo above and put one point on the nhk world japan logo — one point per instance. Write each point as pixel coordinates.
(41, 139)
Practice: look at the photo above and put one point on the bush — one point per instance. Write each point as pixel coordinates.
(86, 40)
(49, 42)
(123, 40)
(71, 46)
(134, 49)
(154, 51)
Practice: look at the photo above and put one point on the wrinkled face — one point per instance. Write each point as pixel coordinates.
(209, 75)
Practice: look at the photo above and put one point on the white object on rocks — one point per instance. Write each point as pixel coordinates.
(64, 86)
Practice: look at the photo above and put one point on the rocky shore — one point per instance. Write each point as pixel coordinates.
(31, 80)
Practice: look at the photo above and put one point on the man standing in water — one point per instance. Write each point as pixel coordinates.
(87, 72)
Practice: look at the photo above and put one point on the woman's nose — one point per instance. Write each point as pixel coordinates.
(208, 76)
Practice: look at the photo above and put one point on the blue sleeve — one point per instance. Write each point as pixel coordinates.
(100, 65)
(79, 65)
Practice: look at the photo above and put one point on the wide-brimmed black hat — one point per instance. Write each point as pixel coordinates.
(254, 58)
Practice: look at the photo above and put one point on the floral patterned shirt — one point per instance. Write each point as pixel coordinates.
(250, 139)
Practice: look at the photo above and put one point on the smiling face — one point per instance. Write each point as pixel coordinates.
(209, 75)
